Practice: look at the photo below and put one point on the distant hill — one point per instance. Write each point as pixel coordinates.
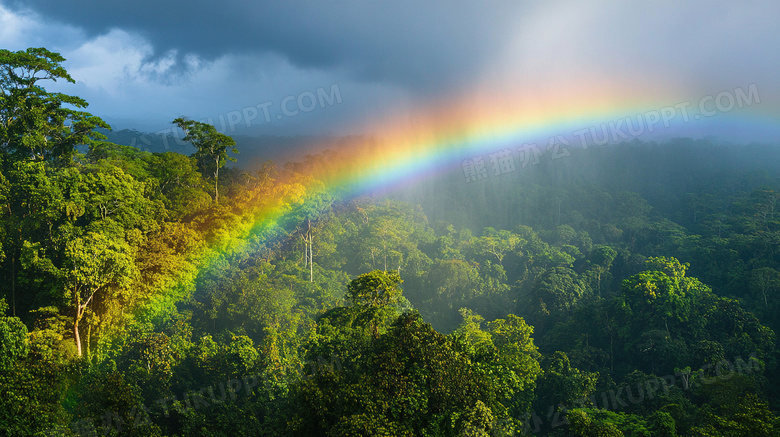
(253, 151)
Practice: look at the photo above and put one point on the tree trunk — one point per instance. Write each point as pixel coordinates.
(305, 252)
(666, 324)
(310, 243)
(80, 309)
(87, 340)
(598, 281)
(76, 335)
(216, 182)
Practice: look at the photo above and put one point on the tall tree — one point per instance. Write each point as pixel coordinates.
(375, 289)
(93, 264)
(34, 124)
(764, 280)
(374, 292)
(602, 258)
(212, 147)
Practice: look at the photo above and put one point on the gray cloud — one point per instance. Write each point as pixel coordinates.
(144, 63)
(421, 46)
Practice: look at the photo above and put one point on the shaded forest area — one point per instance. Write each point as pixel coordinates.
(627, 290)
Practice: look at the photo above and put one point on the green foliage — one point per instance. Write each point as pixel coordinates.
(34, 124)
(562, 384)
(470, 331)
(124, 283)
(13, 339)
(477, 422)
(410, 381)
(94, 264)
(211, 147)
(31, 378)
(375, 289)
(591, 422)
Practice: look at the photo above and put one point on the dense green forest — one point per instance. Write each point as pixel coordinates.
(631, 289)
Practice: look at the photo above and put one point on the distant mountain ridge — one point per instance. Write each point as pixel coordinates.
(253, 151)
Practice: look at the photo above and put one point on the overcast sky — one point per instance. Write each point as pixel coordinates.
(314, 67)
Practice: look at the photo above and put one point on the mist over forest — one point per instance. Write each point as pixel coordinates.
(370, 245)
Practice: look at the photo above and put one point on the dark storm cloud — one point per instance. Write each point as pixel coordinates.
(421, 46)
(141, 64)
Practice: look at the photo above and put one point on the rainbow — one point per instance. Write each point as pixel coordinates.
(410, 146)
